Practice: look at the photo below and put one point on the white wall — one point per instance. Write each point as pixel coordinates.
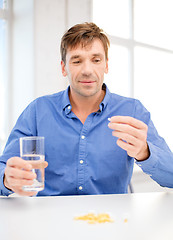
(22, 57)
(37, 28)
(49, 26)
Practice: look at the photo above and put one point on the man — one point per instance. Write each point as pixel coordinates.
(86, 153)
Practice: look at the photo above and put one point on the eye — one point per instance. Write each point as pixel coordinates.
(96, 60)
(76, 62)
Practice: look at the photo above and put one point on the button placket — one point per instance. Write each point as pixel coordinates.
(82, 150)
(82, 154)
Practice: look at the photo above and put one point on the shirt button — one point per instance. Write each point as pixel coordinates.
(80, 188)
(81, 161)
(82, 136)
(69, 107)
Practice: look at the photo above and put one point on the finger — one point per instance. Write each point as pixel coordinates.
(126, 129)
(19, 173)
(128, 120)
(130, 149)
(18, 162)
(39, 164)
(21, 192)
(126, 137)
(45, 164)
(18, 183)
(16, 186)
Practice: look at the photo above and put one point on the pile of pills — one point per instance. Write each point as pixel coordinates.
(92, 218)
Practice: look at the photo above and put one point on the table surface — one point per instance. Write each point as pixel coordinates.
(149, 216)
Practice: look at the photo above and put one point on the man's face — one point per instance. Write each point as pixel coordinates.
(85, 68)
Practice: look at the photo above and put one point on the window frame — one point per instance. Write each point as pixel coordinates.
(6, 14)
(130, 43)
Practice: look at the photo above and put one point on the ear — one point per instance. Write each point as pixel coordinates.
(106, 67)
(64, 73)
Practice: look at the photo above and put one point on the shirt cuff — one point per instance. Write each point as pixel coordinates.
(3, 190)
(149, 165)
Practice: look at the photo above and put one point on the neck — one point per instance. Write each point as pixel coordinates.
(84, 106)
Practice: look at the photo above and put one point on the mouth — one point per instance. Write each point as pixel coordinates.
(87, 82)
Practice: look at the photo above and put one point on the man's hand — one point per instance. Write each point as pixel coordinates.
(132, 136)
(17, 174)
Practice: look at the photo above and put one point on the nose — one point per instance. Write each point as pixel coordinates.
(86, 68)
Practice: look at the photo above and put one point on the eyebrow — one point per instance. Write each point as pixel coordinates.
(74, 57)
(98, 55)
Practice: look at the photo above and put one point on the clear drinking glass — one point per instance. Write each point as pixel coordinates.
(32, 149)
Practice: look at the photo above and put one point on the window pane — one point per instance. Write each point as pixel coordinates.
(112, 16)
(117, 79)
(3, 3)
(153, 22)
(3, 82)
(153, 86)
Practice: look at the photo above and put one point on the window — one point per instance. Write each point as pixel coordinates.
(3, 72)
(141, 54)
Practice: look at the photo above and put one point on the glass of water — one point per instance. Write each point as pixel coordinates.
(32, 149)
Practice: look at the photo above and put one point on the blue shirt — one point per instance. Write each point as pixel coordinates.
(84, 158)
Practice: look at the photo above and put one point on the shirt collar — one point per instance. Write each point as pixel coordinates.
(67, 105)
(106, 98)
(66, 101)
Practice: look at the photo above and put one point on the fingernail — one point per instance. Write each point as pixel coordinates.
(109, 119)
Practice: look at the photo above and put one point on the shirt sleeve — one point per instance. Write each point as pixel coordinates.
(25, 126)
(3, 190)
(159, 166)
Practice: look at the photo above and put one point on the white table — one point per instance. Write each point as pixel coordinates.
(150, 216)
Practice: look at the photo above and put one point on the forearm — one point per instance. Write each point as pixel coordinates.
(159, 166)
